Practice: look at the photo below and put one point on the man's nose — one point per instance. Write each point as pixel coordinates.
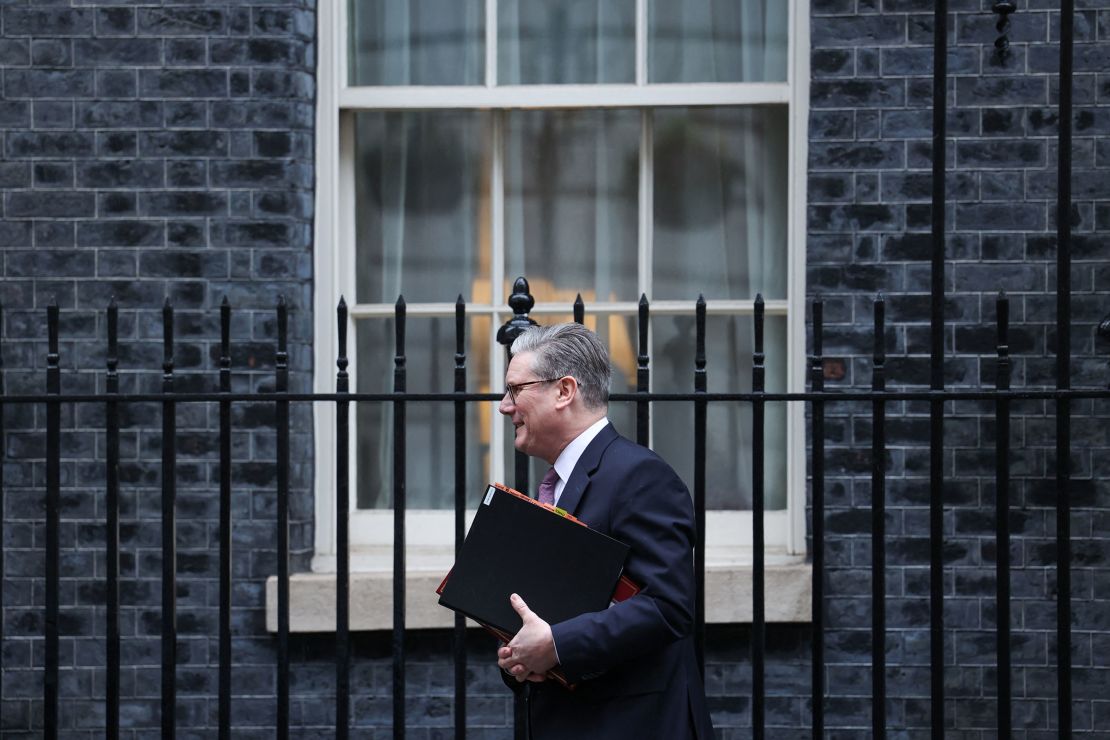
(506, 405)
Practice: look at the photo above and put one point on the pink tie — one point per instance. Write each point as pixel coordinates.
(547, 487)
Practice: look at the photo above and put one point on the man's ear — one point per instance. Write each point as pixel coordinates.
(568, 391)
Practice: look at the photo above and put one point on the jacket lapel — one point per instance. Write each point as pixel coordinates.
(585, 468)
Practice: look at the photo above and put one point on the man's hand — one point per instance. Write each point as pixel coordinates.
(531, 653)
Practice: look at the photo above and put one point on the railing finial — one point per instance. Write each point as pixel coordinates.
(521, 301)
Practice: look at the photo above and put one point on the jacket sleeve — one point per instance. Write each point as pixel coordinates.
(652, 514)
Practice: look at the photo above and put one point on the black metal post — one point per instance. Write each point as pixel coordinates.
(758, 626)
(53, 498)
(111, 473)
(2, 413)
(1002, 518)
(579, 310)
(399, 526)
(169, 532)
(878, 531)
(521, 302)
(281, 372)
(224, 709)
(342, 540)
(643, 375)
(817, 607)
(936, 407)
(459, 638)
(701, 408)
(1063, 375)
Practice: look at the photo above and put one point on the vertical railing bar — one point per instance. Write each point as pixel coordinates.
(817, 610)
(878, 530)
(1063, 375)
(758, 625)
(1002, 517)
(700, 423)
(342, 549)
(399, 505)
(53, 496)
(459, 639)
(169, 532)
(224, 709)
(643, 374)
(2, 410)
(936, 408)
(579, 310)
(281, 371)
(111, 473)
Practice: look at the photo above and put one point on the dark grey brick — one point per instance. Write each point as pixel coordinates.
(186, 52)
(15, 52)
(182, 203)
(116, 83)
(859, 30)
(52, 53)
(121, 173)
(59, 21)
(60, 204)
(117, 52)
(990, 91)
(856, 93)
(48, 83)
(115, 20)
(184, 83)
(186, 21)
(255, 51)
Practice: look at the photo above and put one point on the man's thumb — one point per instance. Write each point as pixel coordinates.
(520, 607)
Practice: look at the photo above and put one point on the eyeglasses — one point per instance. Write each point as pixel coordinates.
(514, 388)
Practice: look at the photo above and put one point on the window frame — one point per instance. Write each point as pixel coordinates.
(432, 531)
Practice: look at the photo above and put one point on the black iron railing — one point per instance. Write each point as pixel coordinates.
(878, 397)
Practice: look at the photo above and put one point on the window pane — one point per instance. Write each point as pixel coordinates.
(421, 190)
(430, 438)
(566, 41)
(729, 344)
(720, 183)
(570, 203)
(717, 40)
(619, 335)
(416, 42)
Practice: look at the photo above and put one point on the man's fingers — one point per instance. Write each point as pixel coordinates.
(504, 652)
(521, 608)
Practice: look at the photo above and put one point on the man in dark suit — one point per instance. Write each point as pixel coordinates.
(634, 663)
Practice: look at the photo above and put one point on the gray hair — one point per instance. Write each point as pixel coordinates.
(569, 349)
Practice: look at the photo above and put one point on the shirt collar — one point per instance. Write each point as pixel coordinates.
(568, 458)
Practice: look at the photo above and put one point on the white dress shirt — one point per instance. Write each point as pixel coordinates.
(568, 458)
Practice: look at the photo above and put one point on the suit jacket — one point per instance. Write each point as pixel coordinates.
(634, 663)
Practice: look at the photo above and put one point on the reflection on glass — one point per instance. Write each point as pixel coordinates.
(717, 40)
(421, 195)
(416, 42)
(549, 42)
(618, 333)
(570, 203)
(720, 182)
(729, 345)
(430, 437)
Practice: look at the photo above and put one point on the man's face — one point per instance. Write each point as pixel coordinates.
(533, 411)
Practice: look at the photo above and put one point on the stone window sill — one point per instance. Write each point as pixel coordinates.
(728, 588)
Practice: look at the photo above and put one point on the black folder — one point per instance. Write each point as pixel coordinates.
(558, 566)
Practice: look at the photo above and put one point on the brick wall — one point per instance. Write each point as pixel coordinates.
(151, 151)
(869, 220)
